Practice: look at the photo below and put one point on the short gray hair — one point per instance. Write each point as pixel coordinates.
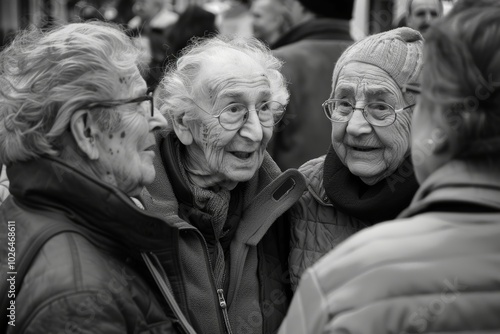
(178, 88)
(47, 76)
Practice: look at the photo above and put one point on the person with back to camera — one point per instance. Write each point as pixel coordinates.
(320, 33)
(222, 193)
(76, 135)
(367, 176)
(435, 269)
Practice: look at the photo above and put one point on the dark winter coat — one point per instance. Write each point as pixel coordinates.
(88, 282)
(309, 52)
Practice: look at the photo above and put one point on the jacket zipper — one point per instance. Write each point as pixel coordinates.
(223, 306)
(220, 292)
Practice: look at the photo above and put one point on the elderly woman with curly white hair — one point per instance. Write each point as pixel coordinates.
(76, 135)
(216, 181)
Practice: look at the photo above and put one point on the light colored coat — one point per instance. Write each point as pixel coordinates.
(434, 270)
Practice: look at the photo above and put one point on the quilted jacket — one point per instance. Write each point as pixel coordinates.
(256, 293)
(316, 226)
(435, 269)
(94, 281)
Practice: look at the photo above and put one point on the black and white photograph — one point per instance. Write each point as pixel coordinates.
(249, 166)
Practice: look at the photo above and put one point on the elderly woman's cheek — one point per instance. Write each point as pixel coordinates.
(403, 127)
(267, 135)
(338, 133)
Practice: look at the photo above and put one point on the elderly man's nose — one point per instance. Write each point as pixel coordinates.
(158, 121)
(358, 125)
(252, 129)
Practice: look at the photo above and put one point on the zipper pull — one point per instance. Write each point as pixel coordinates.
(222, 301)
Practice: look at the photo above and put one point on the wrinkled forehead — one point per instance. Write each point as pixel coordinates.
(371, 79)
(233, 71)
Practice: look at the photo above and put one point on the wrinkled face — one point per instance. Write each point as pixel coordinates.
(230, 156)
(370, 152)
(125, 153)
(423, 12)
(266, 22)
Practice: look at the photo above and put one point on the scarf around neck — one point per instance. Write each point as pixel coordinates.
(376, 203)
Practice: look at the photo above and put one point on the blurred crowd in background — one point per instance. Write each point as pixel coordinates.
(164, 27)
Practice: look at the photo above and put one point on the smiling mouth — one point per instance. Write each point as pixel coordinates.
(363, 149)
(242, 155)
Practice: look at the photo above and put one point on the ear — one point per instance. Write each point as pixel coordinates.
(84, 133)
(440, 141)
(181, 129)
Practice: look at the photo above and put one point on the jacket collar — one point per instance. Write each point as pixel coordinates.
(266, 196)
(99, 208)
(458, 182)
(316, 29)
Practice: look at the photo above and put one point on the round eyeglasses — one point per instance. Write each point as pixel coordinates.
(376, 113)
(233, 116)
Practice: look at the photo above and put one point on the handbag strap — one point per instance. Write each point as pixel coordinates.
(25, 260)
(183, 323)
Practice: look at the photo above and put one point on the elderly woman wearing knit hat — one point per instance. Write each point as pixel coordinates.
(367, 176)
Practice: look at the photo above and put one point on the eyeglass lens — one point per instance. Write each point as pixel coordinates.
(233, 116)
(376, 113)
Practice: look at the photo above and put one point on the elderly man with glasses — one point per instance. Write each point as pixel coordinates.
(221, 190)
(367, 176)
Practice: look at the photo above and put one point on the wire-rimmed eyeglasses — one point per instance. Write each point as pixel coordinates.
(233, 116)
(116, 103)
(376, 113)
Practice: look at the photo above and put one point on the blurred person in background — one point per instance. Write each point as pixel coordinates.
(421, 13)
(193, 22)
(309, 50)
(216, 181)
(152, 13)
(435, 269)
(367, 176)
(150, 28)
(236, 18)
(271, 19)
(76, 135)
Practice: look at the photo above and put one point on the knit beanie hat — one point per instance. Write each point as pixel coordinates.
(398, 52)
(339, 9)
